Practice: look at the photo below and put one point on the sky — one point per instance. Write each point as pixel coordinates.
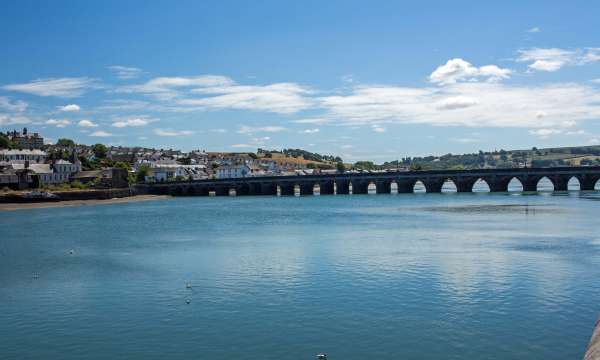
(377, 80)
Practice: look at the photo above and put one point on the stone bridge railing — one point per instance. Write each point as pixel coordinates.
(358, 183)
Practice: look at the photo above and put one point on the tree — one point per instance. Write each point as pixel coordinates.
(143, 171)
(5, 143)
(99, 150)
(341, 168)
(65, 142)
(122, 165)
(185, 161)
(416, 167)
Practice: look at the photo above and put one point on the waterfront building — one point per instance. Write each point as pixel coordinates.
(22, 156)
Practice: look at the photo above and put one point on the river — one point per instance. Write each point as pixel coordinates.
(410, 276)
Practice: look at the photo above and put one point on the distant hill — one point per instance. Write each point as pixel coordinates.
(543, 157)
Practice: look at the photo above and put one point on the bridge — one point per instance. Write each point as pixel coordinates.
(382, 182)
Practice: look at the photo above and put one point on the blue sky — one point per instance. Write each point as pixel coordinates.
(364, 80)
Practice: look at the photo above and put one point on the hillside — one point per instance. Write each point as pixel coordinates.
(543, 157)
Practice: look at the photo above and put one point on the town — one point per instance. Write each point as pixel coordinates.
(26, 162)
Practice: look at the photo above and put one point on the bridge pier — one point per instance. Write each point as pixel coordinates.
(405, 186)
(383, 187)
(464, 185)
(360, 187)
(306, 188)
(287, 189)
(342, 187)
(530, 183)
(587, 182)
(327, 188)
(434, 185)
(267, 189)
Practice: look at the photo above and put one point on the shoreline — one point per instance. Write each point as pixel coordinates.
(69, 203)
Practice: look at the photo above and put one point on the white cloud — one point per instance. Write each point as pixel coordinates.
(168, 132)
(6, 119)
(86, 123)
(316, 121)
(456, 102)
(101, 133)
(15, 111)
(220, 131)
(13, 106)
(378, 129)
(282, 98)
(214, 92)
(132, 122)
(466, 140)
(576, 132)
(552, 59)
(69, 108)
(59, 87)
(534, 30)
(458, 69)
(545, 133)
(249, 130)
(58, 123)
(491, 105)
(125, 72)
(167, 88)
(310, 131)
(245, 146)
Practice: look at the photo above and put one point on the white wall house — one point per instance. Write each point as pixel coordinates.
(235, 171)
(20, 156)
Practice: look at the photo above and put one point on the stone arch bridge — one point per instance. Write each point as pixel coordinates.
(359, 183)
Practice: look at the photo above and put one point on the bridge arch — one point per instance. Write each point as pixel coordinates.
(481, 186)
(394, 187)
(545, 184)
(449, 186)
(371, 188)
(419, 187)
(573, 184)
(515, 185)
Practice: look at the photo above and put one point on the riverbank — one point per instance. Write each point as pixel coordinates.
(66, 203)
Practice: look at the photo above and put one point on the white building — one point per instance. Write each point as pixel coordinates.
(20, 156)
(234, 171)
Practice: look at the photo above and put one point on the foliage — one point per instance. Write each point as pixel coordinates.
(341, 168)
(99, 150)
(5, 143)
(143, 171)
(416, 167)
(65, 142)
(365, 165)
(122, 165)
(185, 161)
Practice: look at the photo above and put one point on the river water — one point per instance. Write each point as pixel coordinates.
(415, 276)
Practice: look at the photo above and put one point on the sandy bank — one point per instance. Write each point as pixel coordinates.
(42, 205)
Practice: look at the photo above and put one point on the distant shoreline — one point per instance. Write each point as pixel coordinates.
(67, 203)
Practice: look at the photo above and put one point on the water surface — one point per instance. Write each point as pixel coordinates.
(423, 276)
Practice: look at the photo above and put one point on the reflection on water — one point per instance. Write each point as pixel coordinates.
(468, 276)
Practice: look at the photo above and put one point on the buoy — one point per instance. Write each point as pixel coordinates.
(187, 301)
(188, 286)
(71, 251)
